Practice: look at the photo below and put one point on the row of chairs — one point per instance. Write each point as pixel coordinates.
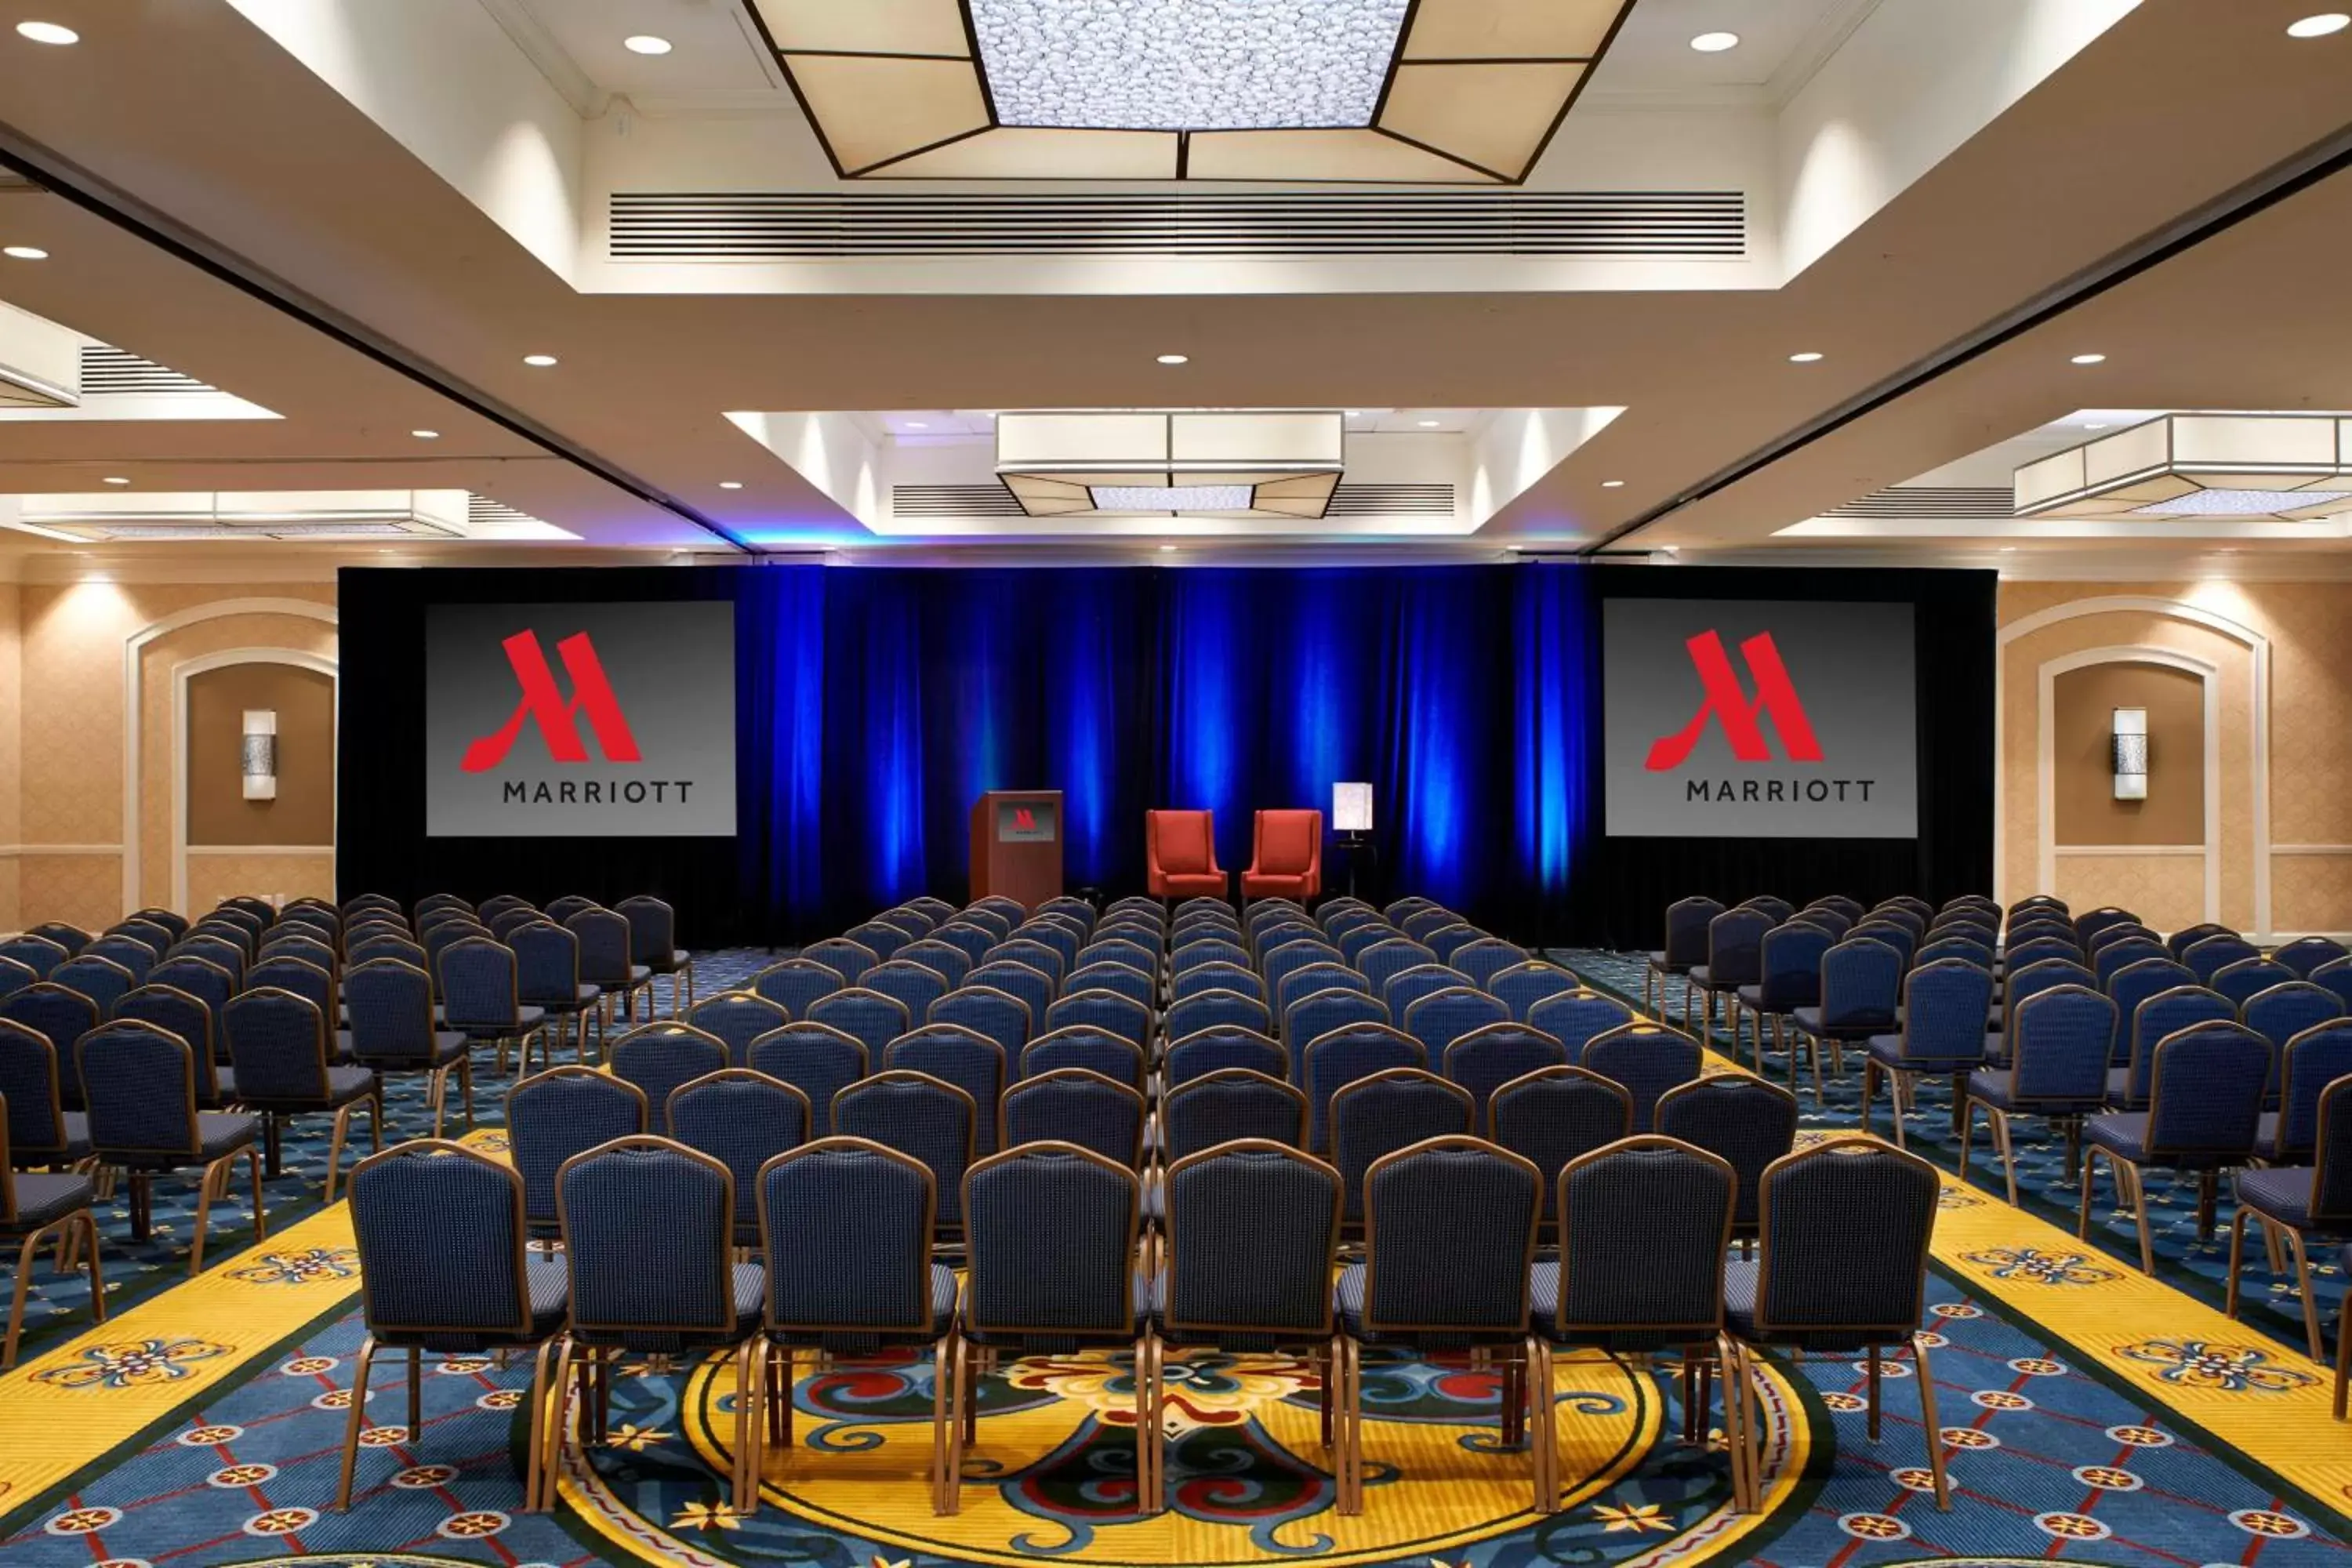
(651, 1264)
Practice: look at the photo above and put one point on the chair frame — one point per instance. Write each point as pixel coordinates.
(74, 1230)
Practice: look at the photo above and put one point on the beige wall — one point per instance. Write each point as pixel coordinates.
(68, 657)
(2275, 659)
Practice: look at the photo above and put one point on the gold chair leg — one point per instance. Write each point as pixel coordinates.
(1146, 1413)
(25, 1256)
(335, 1146)
(352, 1423)
(961, 1395)
(2139, 1214)
(2091, 1153)
(1540, 1434)
(1999, 1121)
(557, 1419)
(89, 1262)
(260, 1212)
(1735, 1425)
(2237, 1261)
(749, 1373)
(2296, 1250)
(942, 1406)
(534, 1498)
(204, 1213)
(1928, 1420)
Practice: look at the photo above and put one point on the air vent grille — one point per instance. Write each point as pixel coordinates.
(247, 532)
(111, 371)
(914, 502)
(481, 511)
(752, 226)
(1902, 501)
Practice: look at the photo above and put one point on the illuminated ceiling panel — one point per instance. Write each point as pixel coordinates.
(1223, 464)
(2289, 467)
(1441, 91)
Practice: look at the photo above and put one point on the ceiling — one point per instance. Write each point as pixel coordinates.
(347, 223)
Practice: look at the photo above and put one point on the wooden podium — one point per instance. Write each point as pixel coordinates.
(1016, 846)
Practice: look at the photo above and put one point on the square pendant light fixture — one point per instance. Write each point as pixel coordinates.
(1270, 464)
(1394, 91)
(2288, 467)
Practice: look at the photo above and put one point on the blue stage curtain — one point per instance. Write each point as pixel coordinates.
(880, 703)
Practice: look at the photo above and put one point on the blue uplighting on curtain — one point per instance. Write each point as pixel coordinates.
(879, 703)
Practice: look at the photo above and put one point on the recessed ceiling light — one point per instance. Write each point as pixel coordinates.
(1670, 549)
(25, 252)
(47, 33)
(1167, 550)
(539, 361)
(1175, 359)
(2094, 425)
(730, 484)
(918, 425)
(2088, 359)
(646, 44)
(426, 435)
(2009, 550)
(115, 480)
(1612, 484)
(2319, 26)
(1426, 424)
(1355, 414)
(1714, 43)
(1810, 356)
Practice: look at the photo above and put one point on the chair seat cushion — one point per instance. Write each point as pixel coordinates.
(1752, 997)
(1701, 976)
(527, 1016)
(76, 1125)
(1739, 1276)
(1739, 1282)
(2121, 1133)
(347, 1084)
(44, 1200)
(448, 1044)
(1193, 884)
(1991, 1085)
(639, 973)
(2266, 1139)
(217, 1132)
(2284, 1195)
(1809, 1019)
(584, 996)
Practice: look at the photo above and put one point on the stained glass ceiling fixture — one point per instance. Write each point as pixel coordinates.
(1387, 91)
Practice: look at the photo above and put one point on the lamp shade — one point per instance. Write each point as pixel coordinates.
(259, 755)
(1352, 807)
(2130, 730)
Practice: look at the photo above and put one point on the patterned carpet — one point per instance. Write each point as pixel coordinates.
(203, 1427)
(2046, 1187)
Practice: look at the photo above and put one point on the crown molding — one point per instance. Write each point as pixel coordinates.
(553, 59)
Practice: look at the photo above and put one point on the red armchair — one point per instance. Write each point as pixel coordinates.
(1287, 859)
(1180, 856)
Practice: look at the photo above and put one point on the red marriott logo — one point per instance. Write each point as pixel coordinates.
(591, 696)
(1023, 819)
(1725, 700)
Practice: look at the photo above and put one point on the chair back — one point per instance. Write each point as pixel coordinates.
(1487, 957)
(1309, 979)
(921, 1117)
(1861, 978)
(1521, 985)
(1194, 974)
(1032, 987)
(2091, 922)
(2286, 1010)
(2167, 1012)
(480, 986)
(2099, 942)
(914, 924)
(2135, 984)
(1407, 987)
(816, 1059)
(61, 1015)
(2218, 1072)
(1553, 1115)
(1353, 1051)
(2211, 955)
(1129, 947)
(2064, 1037)
(649, 1238)
(1491, 1056)
(71, 938)
(1289, 844)
(1222, 1046)
(442, 1244)
(140, 1083)
(1792, 967)
(1449, 1234)
(1074, 1105)
(2307, 953)
(1648, 1059)
(391, 1008)
(796, 982)
(277, 1043)
(1058, 935)
(1842, 1253)
(2331, 1182)
(553, 1115)
(303, 978)
(741, 1119)
(1887, 932)
(1310, 1016)
(1643, 1226)
(14, 976)
(1125, 1016)
(604, 946)
(1735, 946)
(1052, 1230)
(1442, 1017)
(2178, 944)
(1576, 1019)
(1028, 952)
(547, 963)
(1230, 1104)
(2336, 975)
(1117, 977)
(38, 953)
(1944, 1004)
(2248, 977)
(1687, 921)
(560, 909)
(1383, 960)
(134, 955)
(200, 978)
(845, 1225)
(1182, 842)
(653, 941)
(2113, 957)
(1253, 1229)
(869, 1016)
(2037, 977)
(877, 937)
(1390, 1110)
(1743, 1121)
(964, 1057)
(941, 957)
(2313, 1059)
(304, 943)
(1217, 1008)
(659, 1058)
(1085, 1046)
(847, 958)
(735, 1018)
(31, 1084)
(390, 944)
(101, 980)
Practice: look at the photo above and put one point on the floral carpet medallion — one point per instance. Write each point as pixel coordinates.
(1052, 1471)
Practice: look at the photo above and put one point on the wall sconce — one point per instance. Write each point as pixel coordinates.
(2131, 753)
(259, 758)
(1352, 807)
